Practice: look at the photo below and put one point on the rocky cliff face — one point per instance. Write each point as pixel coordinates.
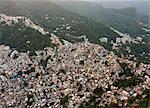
(76, 75)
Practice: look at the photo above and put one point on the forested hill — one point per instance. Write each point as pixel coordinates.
(125, 20)
(55, 19)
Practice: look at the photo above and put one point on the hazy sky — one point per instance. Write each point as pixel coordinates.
(108, 0)
(114, 0)
(82, 0)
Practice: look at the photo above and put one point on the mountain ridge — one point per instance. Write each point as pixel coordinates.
(95, 11)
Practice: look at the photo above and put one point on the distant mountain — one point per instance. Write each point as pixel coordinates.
(55, 19)
(142, 6)
(125, 20)
(130, 12)
(133, 14)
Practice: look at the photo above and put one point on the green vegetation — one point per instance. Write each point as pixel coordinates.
(64, 100)
(32, 53)
(92, 103)
(43, 62)
(142, 102)
(124, 20)
(98, 91)
(12, 36)
(138, 49)
(51, 17)
(141, 51)
(106, 45)
(133, 81)
(144, 59)
(126, 69)
(113, 105)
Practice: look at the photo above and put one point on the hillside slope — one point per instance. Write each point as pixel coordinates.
(55, 19)
(22, 34)
(81, 76)
(119, 19)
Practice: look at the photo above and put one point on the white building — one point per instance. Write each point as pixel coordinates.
(118, 40)
(139, 39)
(103, 39)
